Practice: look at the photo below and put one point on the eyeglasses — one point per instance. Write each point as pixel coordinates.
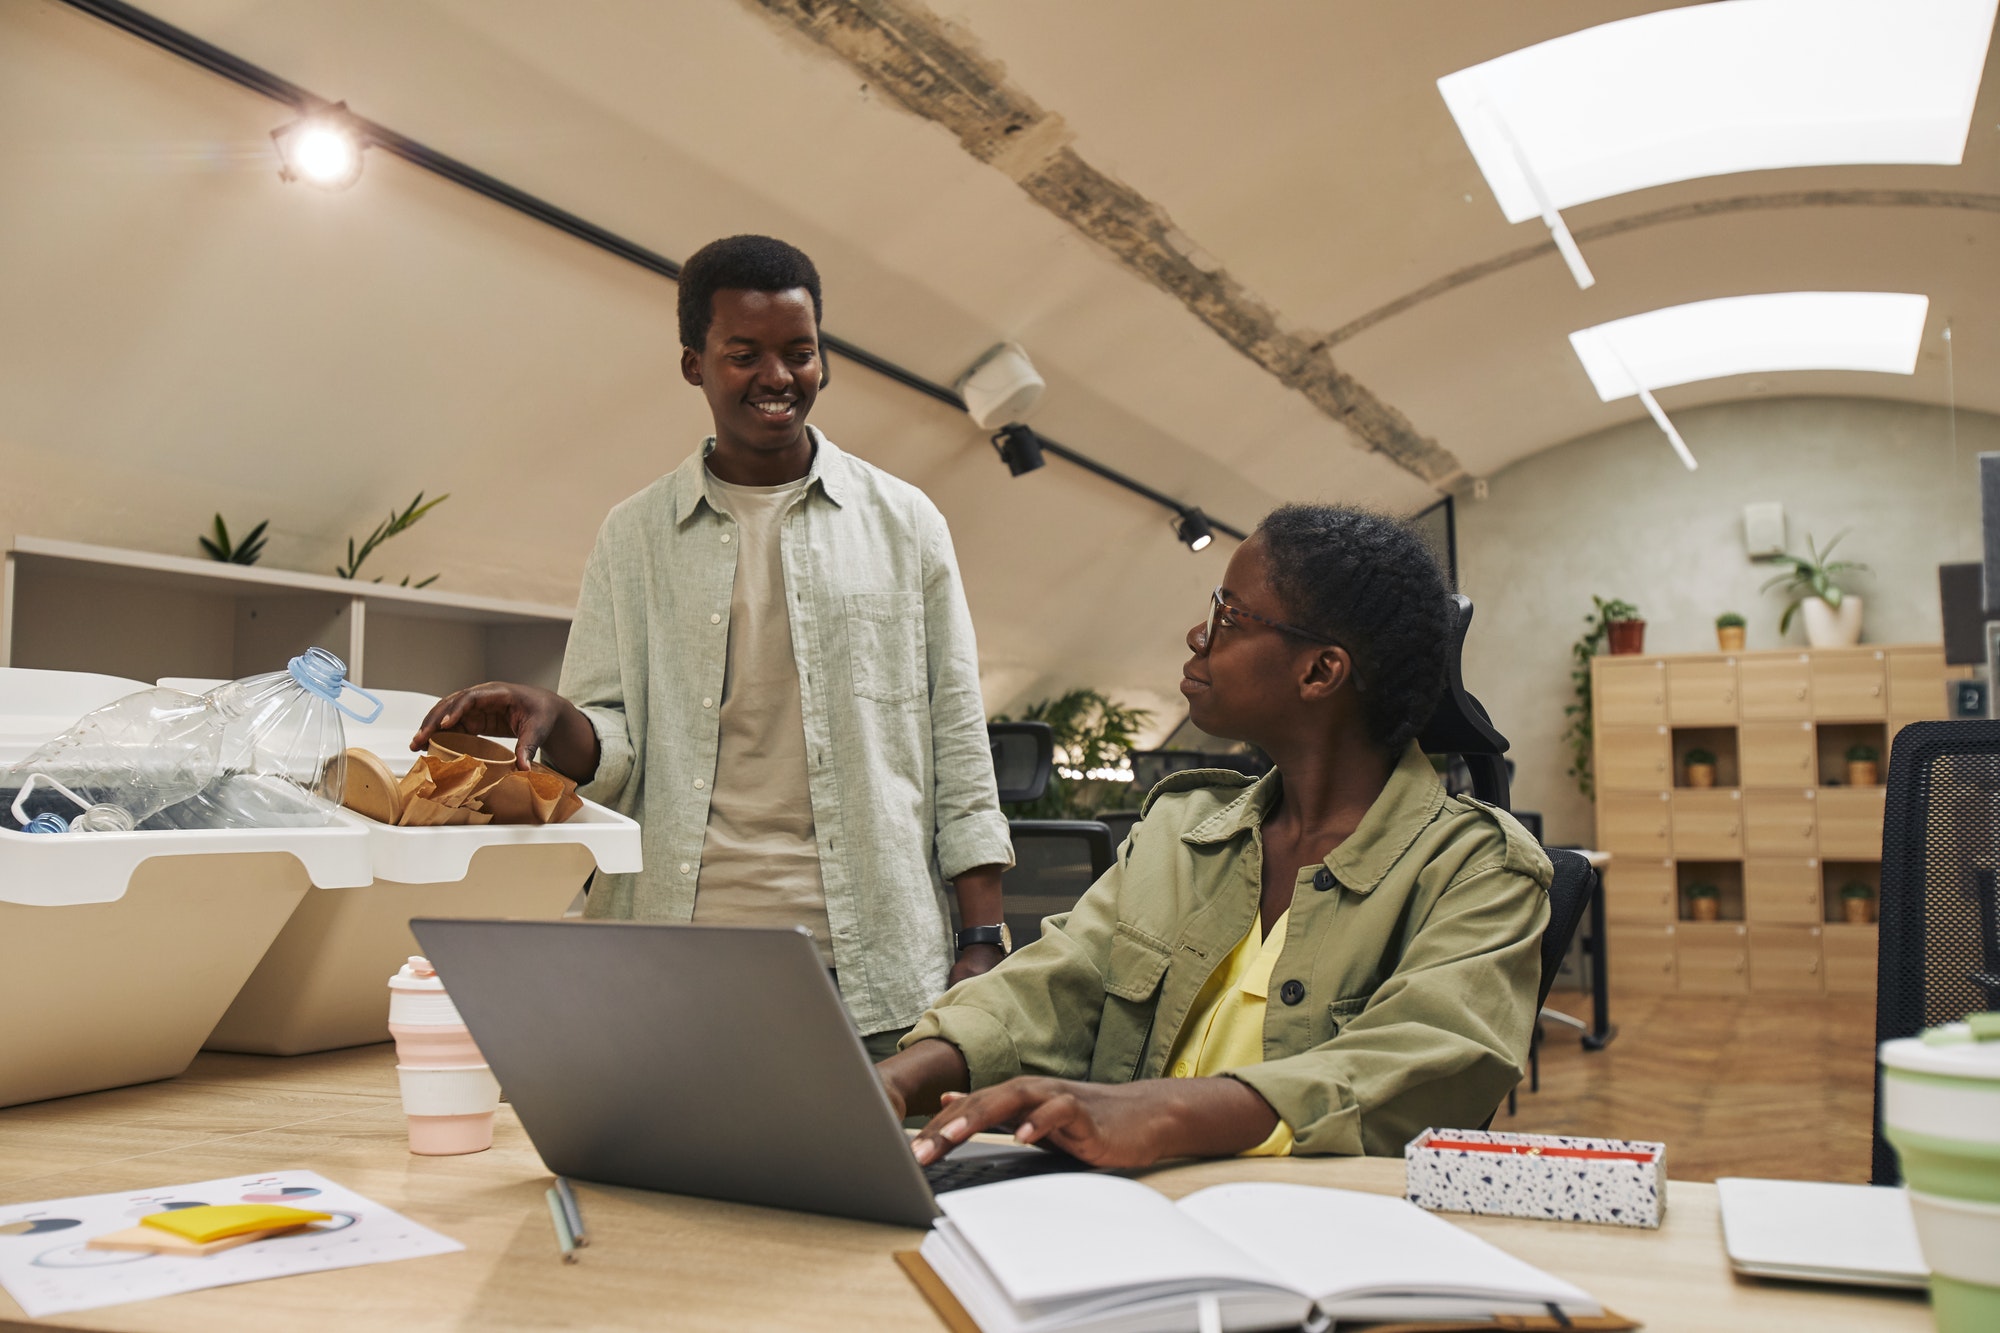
(1221, 613)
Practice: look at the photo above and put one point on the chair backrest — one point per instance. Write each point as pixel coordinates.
(1120, 823)
(1460, 725)
(1569, 898)
(1938, 943)
(1055, 860)
(1023, 756)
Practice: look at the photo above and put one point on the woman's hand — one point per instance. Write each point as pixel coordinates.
(536, 718)
(1107, 1124)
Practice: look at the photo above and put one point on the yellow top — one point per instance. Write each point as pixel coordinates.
(1225, 1030)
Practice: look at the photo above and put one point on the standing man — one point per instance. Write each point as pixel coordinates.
(772, 668)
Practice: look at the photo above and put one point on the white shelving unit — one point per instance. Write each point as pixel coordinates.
(67, 606)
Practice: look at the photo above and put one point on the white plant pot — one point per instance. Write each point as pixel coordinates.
(1828, 627)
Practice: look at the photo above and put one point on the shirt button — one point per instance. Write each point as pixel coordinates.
(1293, 992)
(699, 783)
(715, 617)
(1323, 879)
(1181, 1070)
(686, 869)
(707, 702)
(725, 539)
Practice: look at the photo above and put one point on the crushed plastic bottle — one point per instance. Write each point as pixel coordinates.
(119, 765)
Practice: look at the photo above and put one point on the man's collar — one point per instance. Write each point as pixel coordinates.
(829, 470)
(1407, 805)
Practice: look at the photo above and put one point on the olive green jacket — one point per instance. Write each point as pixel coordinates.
(1404, 996)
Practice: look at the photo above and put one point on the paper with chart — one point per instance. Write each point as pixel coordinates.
(46, 1266)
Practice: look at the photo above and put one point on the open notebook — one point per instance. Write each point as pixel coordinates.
(1106, 1255)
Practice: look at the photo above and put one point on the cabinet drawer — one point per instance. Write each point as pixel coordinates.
(1850, 960)
(1641, 958)
(1707, 825)
(1775, 754)
(1782, 892)
(1633, 823)
(1701, 692)
(1712, 959)
(1850, 683)
(1634, 759)
(1775, 689)
(1780, 823)
(1916, 684)
(1785, 960)
(1630, 690)
(1639, 893)
(1850, 822)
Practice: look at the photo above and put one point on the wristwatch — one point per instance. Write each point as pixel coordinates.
(972, 935)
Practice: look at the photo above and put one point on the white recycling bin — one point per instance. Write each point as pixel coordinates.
(120, 951)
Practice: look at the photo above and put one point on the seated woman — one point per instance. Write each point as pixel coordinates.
(1326, 959)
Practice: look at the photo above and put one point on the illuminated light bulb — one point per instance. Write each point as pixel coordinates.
(322, 149)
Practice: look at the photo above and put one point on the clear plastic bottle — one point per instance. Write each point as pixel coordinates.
(119, 765)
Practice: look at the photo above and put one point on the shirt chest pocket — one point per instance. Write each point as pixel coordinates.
(885, 645)
(1131, 997)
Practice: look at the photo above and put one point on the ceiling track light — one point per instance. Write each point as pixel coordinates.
(321, 148)
(1192, 528)
(1019, 448)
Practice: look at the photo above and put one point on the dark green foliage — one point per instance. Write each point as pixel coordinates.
(244, 552)
(387, 528)
(1581, 730)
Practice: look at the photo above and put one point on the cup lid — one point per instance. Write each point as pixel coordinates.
(417, 974)
(1968, 1050)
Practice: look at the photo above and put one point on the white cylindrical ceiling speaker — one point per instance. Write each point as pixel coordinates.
(1002, 387)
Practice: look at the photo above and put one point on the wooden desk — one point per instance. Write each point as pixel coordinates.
(658, 1260)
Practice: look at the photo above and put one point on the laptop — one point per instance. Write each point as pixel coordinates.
(1812, 1231)
(694, 1059)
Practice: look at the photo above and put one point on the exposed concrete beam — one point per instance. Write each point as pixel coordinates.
(935, 70)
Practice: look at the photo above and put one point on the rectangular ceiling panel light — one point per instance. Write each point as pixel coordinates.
(1707, 89)
(1743, 335)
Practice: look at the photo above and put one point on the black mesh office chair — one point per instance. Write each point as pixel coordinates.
(1120, 823)
(1023, 756)
(1055, 860)
(1460, 727)
(1570, 896)
(1938, 938)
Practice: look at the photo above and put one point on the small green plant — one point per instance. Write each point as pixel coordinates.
(1855, 889)
(389, 527)
(1729, 620)
(1093, 736)
(1862, 754)
(1578, 735)
(1699, 756)
(1703, 891)
(244, 552)
(1812, 575)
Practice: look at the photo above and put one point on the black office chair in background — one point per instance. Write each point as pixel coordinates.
(1055, 860)
(1938, 934)
(1024, 754)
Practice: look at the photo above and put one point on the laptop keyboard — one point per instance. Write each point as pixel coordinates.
(952, 1174)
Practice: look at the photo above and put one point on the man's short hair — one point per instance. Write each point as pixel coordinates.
(739, 263)
(1370, 582)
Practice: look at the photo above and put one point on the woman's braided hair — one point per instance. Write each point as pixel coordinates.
(1368, 581)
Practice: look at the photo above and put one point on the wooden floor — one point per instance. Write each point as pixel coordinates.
(1756, 1086)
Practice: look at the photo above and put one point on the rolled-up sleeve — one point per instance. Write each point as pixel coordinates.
(593, 678)
(970, 830)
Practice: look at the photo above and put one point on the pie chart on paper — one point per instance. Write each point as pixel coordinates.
(290, 1194)
(38, 1226)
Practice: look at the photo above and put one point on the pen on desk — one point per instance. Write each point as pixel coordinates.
(574, 1213)
(563, 1236)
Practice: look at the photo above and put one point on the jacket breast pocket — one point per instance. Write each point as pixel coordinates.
(885, 645)
(1131, 997)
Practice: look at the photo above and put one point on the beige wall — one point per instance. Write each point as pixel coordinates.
(1614, 514)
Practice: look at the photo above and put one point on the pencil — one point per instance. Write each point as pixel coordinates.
(563, 1236)
(574, 1213)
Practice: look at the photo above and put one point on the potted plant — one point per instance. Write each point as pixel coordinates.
(1729, 629)
(1833, 615)
(1625, 633)
(1700, 767)
(1857, 903)
(1598, 628)
(1861, 766)
(1704, 902)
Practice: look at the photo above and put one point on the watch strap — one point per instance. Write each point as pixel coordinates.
(972, 935)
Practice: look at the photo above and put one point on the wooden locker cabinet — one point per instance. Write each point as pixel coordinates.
(1712, 958)
(1634, 823)
(1775, 754)
(1916, 685)
(1783, 891)
(1639, 892)
(1785, 960)
(1642, 958)
(1701, 692)
(1634, 758)
(1707, 825)
(1850, 959)
(1850, 822)
(1850, 683)
(1775, 687)
(1781, 823)
(1629, 690)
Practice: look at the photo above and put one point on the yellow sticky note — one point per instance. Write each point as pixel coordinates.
(220, 1221)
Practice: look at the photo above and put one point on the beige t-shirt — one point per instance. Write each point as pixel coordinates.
(760, 859)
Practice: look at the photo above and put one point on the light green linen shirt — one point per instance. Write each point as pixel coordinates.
(1404, 996)
(898, 763)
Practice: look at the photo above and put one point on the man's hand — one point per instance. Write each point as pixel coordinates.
(1107, 1124)
(974, 959)
(536, 719)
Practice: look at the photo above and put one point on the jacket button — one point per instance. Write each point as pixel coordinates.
(1323, 879)
(1292, 992)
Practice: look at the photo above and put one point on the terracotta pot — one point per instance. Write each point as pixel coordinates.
(1701, 775)
(1858, 911)
(1828, 627)
(1862, 773)
(1729, 638)
(1705, 909)
(1627, 637)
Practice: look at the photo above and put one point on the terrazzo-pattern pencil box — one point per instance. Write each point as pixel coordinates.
(1549, 1176)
